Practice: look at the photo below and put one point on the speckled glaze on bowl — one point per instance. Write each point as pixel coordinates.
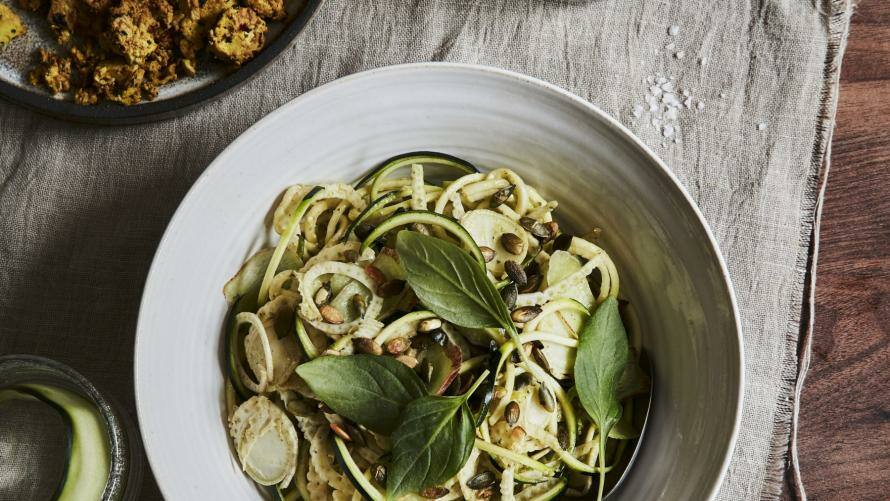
(669, 264)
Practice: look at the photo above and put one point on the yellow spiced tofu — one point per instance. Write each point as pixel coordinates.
(238, 35)
(125, 50)
(53, 72)
(10, 25)
(268, 9)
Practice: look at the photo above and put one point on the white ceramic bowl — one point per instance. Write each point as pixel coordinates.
(668, 261)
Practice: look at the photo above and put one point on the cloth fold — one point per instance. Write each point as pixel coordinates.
(737, 97)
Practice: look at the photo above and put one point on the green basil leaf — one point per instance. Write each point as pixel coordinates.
(370, 390)
(431, 445)
(633, 381)
(625, 429)
(448, 281)
(601, 358)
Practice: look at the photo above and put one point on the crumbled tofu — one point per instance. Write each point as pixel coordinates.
(53, 72)
(268, 9)
(125, 50)
(119, 82)
(10, 25)
(238, 35)
(132, 37)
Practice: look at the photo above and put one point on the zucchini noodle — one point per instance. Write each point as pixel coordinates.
(555, 306)
(265, 372)
(418, 193)
(335, 278)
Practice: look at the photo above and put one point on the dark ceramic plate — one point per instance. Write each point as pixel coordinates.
(213, 80)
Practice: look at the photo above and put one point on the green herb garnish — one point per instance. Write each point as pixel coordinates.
(602, 356)
(368, 389)
(432, 443)
(453, 285)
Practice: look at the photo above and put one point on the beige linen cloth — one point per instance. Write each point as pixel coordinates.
(83, 207)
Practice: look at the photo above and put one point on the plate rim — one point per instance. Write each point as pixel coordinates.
(106, 113)
(554, 90)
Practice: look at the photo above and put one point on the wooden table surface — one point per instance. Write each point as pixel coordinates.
(844, 437)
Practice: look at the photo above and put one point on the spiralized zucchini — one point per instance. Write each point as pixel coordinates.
(327, 289)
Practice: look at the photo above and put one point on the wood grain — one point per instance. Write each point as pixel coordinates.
(845, 409)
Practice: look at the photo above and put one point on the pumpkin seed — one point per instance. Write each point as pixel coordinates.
(532, 283)
(429, 325)
(481, 480)
(527, 223)
(552, 228)
(378, 471)
(375, 274)
(522, 380)
(502, 195)
(367, 345)
(525, 314)
(363, 230)
(350, 255)
(562, 436)
(322, 296)
(516, 273)
(515, 357)
(562, 242)
(511, 413)
(360, 304)
(439, 337)
(512, 243)
(330, 314)
(391, 288)
(509, 295)
(540, 230)
(408, 360)
(539, 357)
(420, 228)
(336, 428)
(517, 433)
(545, 396)
(355, 433)
(434, 492)
(487, 253)
(397, 345)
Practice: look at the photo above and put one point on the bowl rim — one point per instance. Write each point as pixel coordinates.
(556, 91)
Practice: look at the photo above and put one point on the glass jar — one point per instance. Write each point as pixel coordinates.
(125, 472)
